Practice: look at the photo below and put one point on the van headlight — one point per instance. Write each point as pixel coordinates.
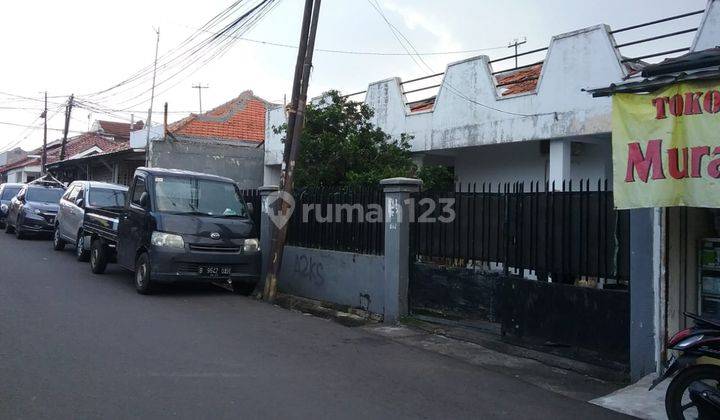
(168, 240)
(3, 208)
(251, 245)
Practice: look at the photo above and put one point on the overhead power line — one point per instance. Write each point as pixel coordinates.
(360, 52)
(423, 65)
(188, 58)
(38, 127)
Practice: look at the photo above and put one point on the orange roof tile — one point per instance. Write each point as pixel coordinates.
(240, 119)
(519, 81)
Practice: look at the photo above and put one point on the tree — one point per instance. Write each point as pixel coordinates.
(341, 147)
(436, 177)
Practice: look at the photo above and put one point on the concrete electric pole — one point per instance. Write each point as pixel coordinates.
(68, 112)
(44, 150)
(152, 98)
(296, 119)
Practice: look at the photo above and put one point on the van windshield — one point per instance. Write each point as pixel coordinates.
(198, 196)
(44, 195)
(105, 197)
(9, 192)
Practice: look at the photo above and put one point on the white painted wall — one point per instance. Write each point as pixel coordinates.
(526, 161)
(558, 108)
(708, 34)
(22, 174)
(273, 141)
(138, 138)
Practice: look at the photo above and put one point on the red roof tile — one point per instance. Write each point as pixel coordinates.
(84, 142)
(242, 118)
(422, 105)
(519, 81)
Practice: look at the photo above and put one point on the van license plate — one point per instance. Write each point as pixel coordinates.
(214, 271)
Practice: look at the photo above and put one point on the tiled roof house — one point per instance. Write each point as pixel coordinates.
(240, 119)
(227, 140)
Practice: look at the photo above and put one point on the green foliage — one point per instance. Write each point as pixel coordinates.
(436, 177)
(341, 147)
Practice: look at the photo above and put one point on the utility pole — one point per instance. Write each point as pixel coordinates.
(516, 43)
(200, 87)
(44, 151)
(296, 119)
(165, 112)
(68, 112)
(152, 97)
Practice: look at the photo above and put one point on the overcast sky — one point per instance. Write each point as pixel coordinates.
(82, 46)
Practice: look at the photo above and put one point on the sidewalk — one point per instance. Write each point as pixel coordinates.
(637, 401)
(565, 382)
(570, 378)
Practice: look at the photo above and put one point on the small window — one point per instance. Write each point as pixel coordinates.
(138, 190)
(74, 193)
(68, 191)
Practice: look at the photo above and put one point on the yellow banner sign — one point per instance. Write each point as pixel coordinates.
(666, 147)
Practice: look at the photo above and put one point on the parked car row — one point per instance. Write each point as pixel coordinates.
(169, 226)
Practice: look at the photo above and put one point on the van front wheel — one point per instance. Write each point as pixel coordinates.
(98, 256)
(143, 278)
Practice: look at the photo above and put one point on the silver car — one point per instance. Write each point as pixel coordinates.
(79, 196)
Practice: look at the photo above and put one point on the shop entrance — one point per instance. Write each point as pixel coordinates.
(692, 265)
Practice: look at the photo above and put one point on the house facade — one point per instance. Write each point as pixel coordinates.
(102, 154)
(226, 141)
(530, 124)
(537, 123)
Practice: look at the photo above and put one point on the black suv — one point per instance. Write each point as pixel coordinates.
(33, 210)
(7, 192)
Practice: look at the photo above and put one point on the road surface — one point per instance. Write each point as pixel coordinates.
(78, 345)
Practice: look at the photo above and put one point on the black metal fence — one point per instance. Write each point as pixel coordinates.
(253, 197)
(347, 219)
(569, 233)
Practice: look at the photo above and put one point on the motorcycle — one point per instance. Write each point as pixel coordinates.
(694, 392)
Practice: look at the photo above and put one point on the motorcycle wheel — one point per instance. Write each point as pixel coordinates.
(677, 398)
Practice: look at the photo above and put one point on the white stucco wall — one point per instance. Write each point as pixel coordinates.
(463, 113)
(708, 34)
(273, 141)
(528, 162)
(138, 138)
(22, 174)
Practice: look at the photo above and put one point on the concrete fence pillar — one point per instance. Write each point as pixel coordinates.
(645, 281)
(266, 227)
(397, 245)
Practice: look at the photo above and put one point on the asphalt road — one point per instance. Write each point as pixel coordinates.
(78, 345)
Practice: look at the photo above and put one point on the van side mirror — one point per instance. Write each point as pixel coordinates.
(144, 200)
(79, 202)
